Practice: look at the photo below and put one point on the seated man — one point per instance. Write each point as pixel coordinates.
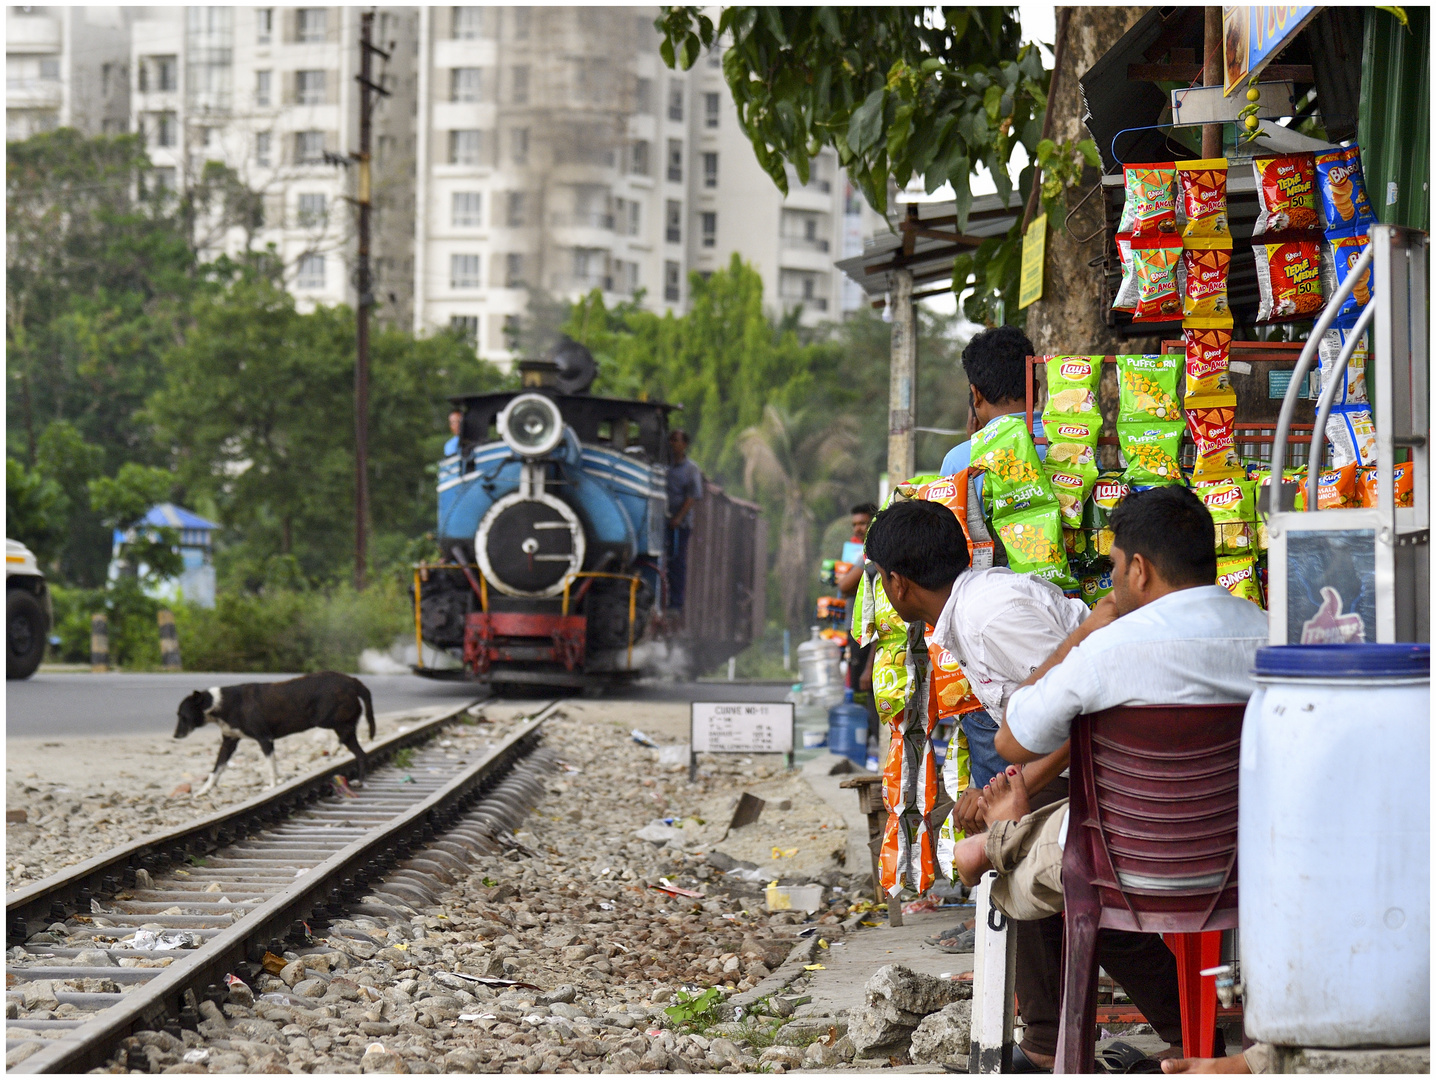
(1167, 635)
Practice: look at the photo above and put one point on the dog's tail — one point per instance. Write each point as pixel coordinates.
(368, 705)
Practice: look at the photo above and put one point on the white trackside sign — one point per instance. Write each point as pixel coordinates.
(744, 727)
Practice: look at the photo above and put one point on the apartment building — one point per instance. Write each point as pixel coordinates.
(521, 149)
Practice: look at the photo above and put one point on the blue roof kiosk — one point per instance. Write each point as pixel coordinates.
(195, 584)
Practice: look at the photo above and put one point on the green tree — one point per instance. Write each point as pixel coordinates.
(35, 511)
(149, 553)
(63, 456)
(897, 92)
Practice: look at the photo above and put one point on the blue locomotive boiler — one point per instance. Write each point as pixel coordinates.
(552, 524)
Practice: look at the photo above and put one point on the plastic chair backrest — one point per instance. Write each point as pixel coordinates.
(1154, 815)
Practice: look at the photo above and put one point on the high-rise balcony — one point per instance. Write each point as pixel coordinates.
(31, 33)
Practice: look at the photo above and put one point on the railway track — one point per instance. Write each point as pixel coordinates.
(229, 894)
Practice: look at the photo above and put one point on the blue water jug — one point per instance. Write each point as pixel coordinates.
(848, 729)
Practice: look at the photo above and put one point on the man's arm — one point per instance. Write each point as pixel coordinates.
(1104, 614)
(674, 519)
(1044, 706)
(848, 582)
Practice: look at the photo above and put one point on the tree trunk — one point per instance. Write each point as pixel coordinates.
(1069, 317)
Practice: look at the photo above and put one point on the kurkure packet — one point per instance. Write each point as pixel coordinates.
(1149, 387)
(1202, 199)
(1004, 451)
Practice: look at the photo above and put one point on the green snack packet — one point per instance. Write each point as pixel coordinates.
(1070, 486)
(1004, 451)
(1232, 504)
(1107, 492)
(1033, 541)
(1237, 574)
(1072, 441)
(1096, 586)
(1072, 388)
(1149, 388)
(1149, 451)
(1074, 541)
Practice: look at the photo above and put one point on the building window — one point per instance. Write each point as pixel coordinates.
(311, 210)
(312, 25)
(261, 148)
(262, 80)
(263, 26)
(710, 110)
(309, 87)
(638, 160)
(157, 74)
(513, 327)
(311, 272)
(643, 96)
(468, 210)
(522, 20)
(164, 129)
(521, 84)
(50, 69)
(675, 160)
(308, 147)
(630, 278)
(673, 222)
(465, 327)
(466, 147)
(670, 281)
(464, 271)
(519, 145)
(468, 23)
(633, 218)
(466, 84)
(675, 100)
(710, 170)
(513, 271)
(164, 179)
(517, 210)
(709, 228)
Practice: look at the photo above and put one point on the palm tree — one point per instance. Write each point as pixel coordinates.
(798, 461)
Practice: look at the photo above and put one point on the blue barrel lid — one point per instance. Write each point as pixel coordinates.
(1402, 660)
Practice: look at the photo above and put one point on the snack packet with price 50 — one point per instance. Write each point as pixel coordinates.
(1150, 206)
(1286, 193)
(1288, 280)
(1207, 352)
(1344, 204)
(1202, 198)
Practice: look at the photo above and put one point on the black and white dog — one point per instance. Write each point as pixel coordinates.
(268, 711)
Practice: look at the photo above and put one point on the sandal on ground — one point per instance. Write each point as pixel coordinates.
(1123, 1057)
(1021, 1063)
(943, 935)
(963, 942)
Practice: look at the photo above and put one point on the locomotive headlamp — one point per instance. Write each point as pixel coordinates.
(531, 425)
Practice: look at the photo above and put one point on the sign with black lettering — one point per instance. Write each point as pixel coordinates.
(742, 727)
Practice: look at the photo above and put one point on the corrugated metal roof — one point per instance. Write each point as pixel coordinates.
(175, 517)
(932, 258)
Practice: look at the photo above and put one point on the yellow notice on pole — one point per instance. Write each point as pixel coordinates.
(1034, 256)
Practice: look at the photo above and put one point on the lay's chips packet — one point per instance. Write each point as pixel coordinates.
(1233, 509)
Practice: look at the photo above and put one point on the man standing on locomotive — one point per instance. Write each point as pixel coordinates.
(685, 488)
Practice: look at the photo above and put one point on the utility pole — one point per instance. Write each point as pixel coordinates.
(1212, 75)
(369, 91)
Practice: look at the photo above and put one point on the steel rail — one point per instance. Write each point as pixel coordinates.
(318, 895)
(70, 891)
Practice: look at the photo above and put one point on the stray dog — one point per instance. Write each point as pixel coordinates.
(268, 711)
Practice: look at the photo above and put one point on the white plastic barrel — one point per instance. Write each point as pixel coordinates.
(820, 667)
(1334, 846)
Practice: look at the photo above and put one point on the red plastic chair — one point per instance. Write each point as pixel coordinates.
(1151, 847)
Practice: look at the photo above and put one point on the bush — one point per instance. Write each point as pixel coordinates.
(134, 631)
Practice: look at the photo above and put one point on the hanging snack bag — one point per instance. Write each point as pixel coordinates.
(1150, 451)
(1005, 452)
(1341, 254)
(1288, 280)
(1352, 390)
(1071, 441)
(1207, 351)
(1154, 264)
(1096, 586)
(1344, 203)
(1352, 436)
(1071, 387)
(1126, 298)
(1204, 294)
(1366, 485)
(1202, 199)
(1337, 489)
(1212, 422)
(1237, 574)
(951, 690)
(1033, 540)
(1150, 205)
(1149, 387)
(1286, 193)
(1071, 487)
(1107, 492)
(1233, 510)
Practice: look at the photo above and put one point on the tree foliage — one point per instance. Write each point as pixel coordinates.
(898, 92)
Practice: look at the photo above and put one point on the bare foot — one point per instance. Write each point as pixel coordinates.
(1237, 1063)
(970, 858)
(1005, 797)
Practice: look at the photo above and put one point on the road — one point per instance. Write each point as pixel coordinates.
(69, 704)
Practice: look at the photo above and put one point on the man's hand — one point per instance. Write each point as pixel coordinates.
(1104, 613)
(965, 813)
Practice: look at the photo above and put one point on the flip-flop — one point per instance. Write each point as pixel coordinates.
(962, 942)
(943, 935)
(1021, 1063)
(1123, 1057)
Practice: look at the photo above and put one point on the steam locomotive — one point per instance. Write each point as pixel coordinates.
(553, 526)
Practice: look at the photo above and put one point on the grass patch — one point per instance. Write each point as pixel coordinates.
(404, 757)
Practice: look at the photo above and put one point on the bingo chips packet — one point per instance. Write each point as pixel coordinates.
(1337, 489)
(1367, 493)
(1202, 199)
(1151, 451)
(1352, 390)
(1233, 509)
(1341, 254)
(1286, 193)
(1344, 203)
(1212, 422)
(1207, 352)
(1288, 280)
(1204, 294)
(1237, 574)
(1352, 436)
(1149, 387)
(1150, 205)
(1155, 264)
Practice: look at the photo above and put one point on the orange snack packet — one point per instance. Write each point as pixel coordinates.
(1288, 280)
(1205, 295)
(1337, 489)
(1286, 192)
(1202, 187)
